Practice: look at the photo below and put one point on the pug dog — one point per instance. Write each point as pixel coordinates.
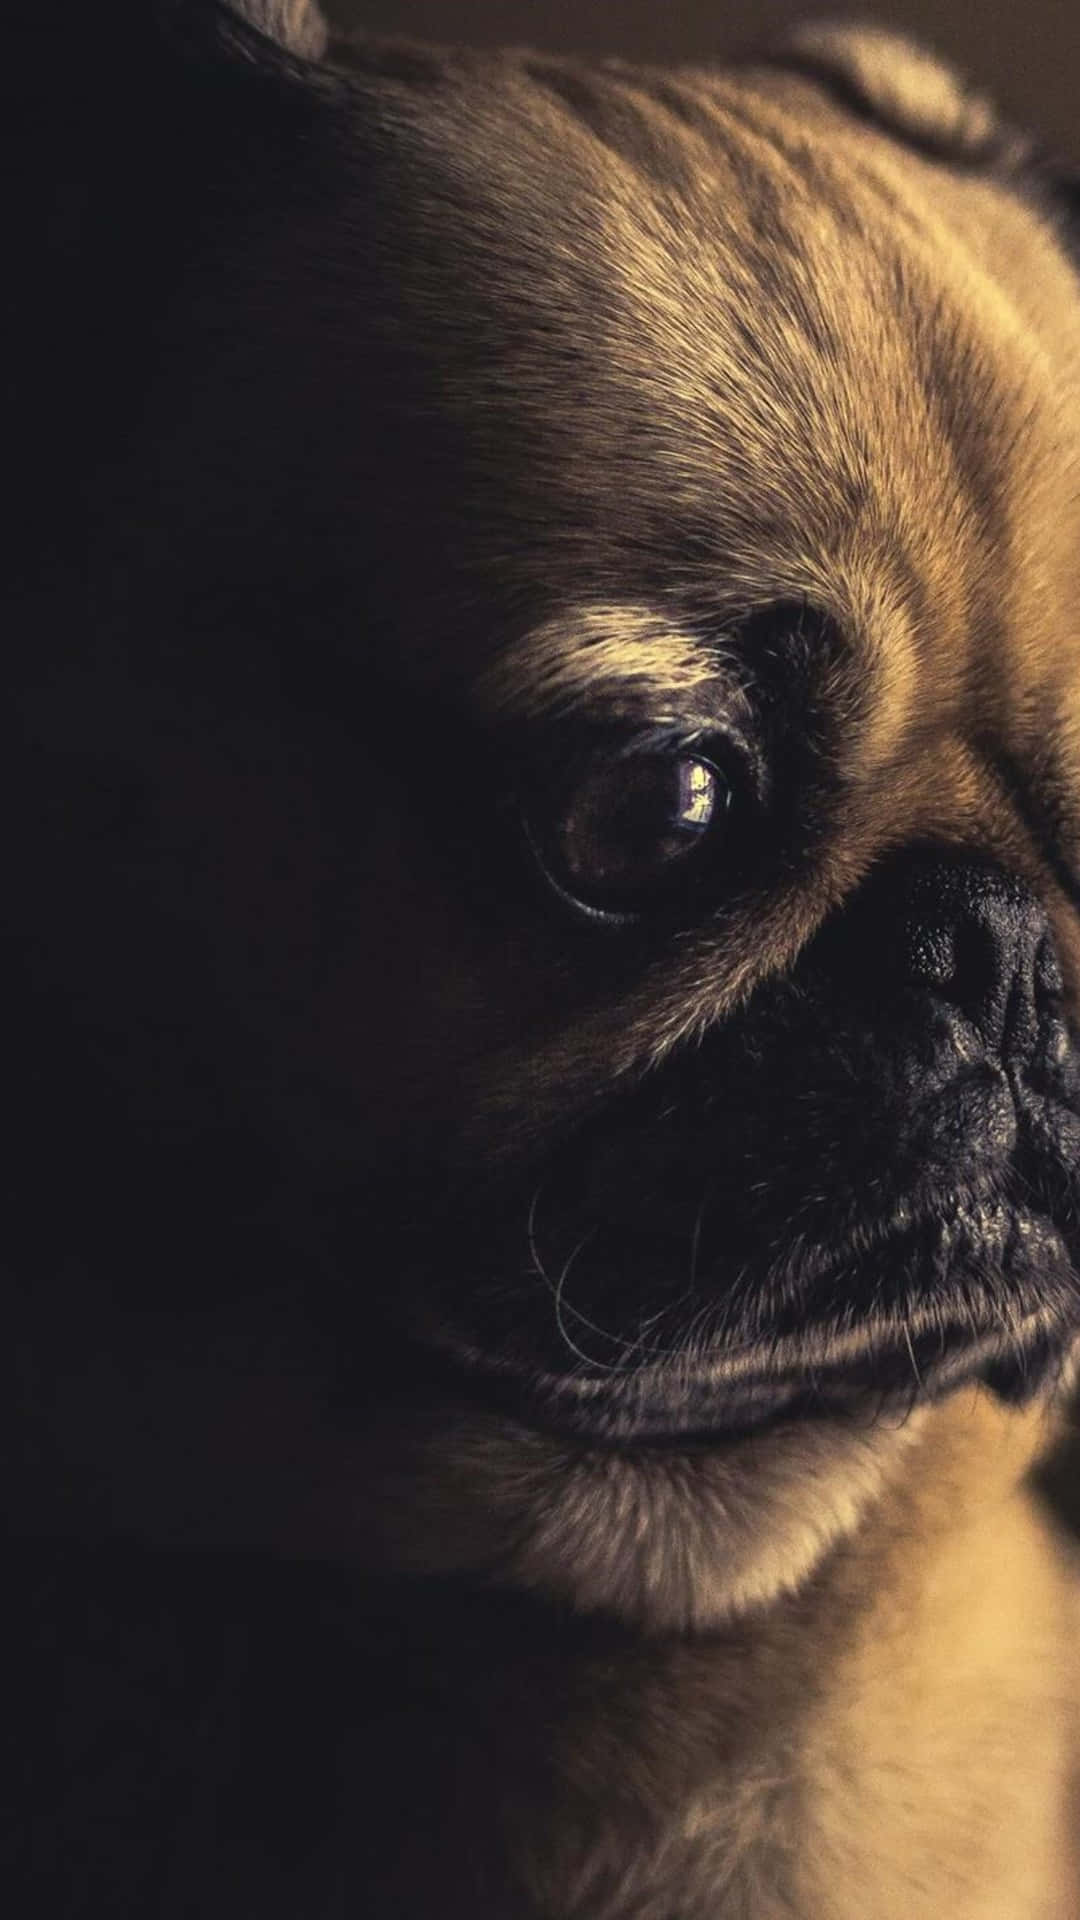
(542, 948)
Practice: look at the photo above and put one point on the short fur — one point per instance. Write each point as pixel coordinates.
(521, 1409)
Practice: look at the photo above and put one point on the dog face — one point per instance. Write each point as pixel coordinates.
(555, 815)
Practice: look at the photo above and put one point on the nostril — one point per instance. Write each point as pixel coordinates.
(1049, 983)
(966, 938)
(967, 935)
(987, 970)
(958, 959)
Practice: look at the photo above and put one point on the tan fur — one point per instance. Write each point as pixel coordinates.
(891, 1741)
(890, 1726)
(885, 1725)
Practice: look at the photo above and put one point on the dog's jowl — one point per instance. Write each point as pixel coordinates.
(541, 957)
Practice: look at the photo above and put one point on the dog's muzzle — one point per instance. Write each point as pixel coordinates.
(863, 1191)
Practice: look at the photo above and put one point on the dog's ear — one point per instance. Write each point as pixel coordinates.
(913, 95)
(285, 36)
(295, 25)
(902, 87)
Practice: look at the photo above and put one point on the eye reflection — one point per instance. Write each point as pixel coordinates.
(697, 784)
(630, 827)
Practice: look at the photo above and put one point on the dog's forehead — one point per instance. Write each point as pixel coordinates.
(694, 340)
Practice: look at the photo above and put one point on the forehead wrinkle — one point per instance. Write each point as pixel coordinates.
(736, 347)
(614, 231)
(712, 303)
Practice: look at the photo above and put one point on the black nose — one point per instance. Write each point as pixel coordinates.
(968, 934)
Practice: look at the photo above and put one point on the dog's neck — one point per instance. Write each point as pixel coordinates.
(595, 1771)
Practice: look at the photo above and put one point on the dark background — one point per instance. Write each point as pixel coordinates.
(1028, 56)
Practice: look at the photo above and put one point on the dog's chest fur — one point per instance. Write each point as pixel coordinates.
(890, 1741)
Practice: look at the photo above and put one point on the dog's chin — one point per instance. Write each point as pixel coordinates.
(682, 1536)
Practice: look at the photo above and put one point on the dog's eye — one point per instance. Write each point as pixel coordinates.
(633, 830)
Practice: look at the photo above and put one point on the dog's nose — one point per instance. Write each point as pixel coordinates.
(969, 934)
